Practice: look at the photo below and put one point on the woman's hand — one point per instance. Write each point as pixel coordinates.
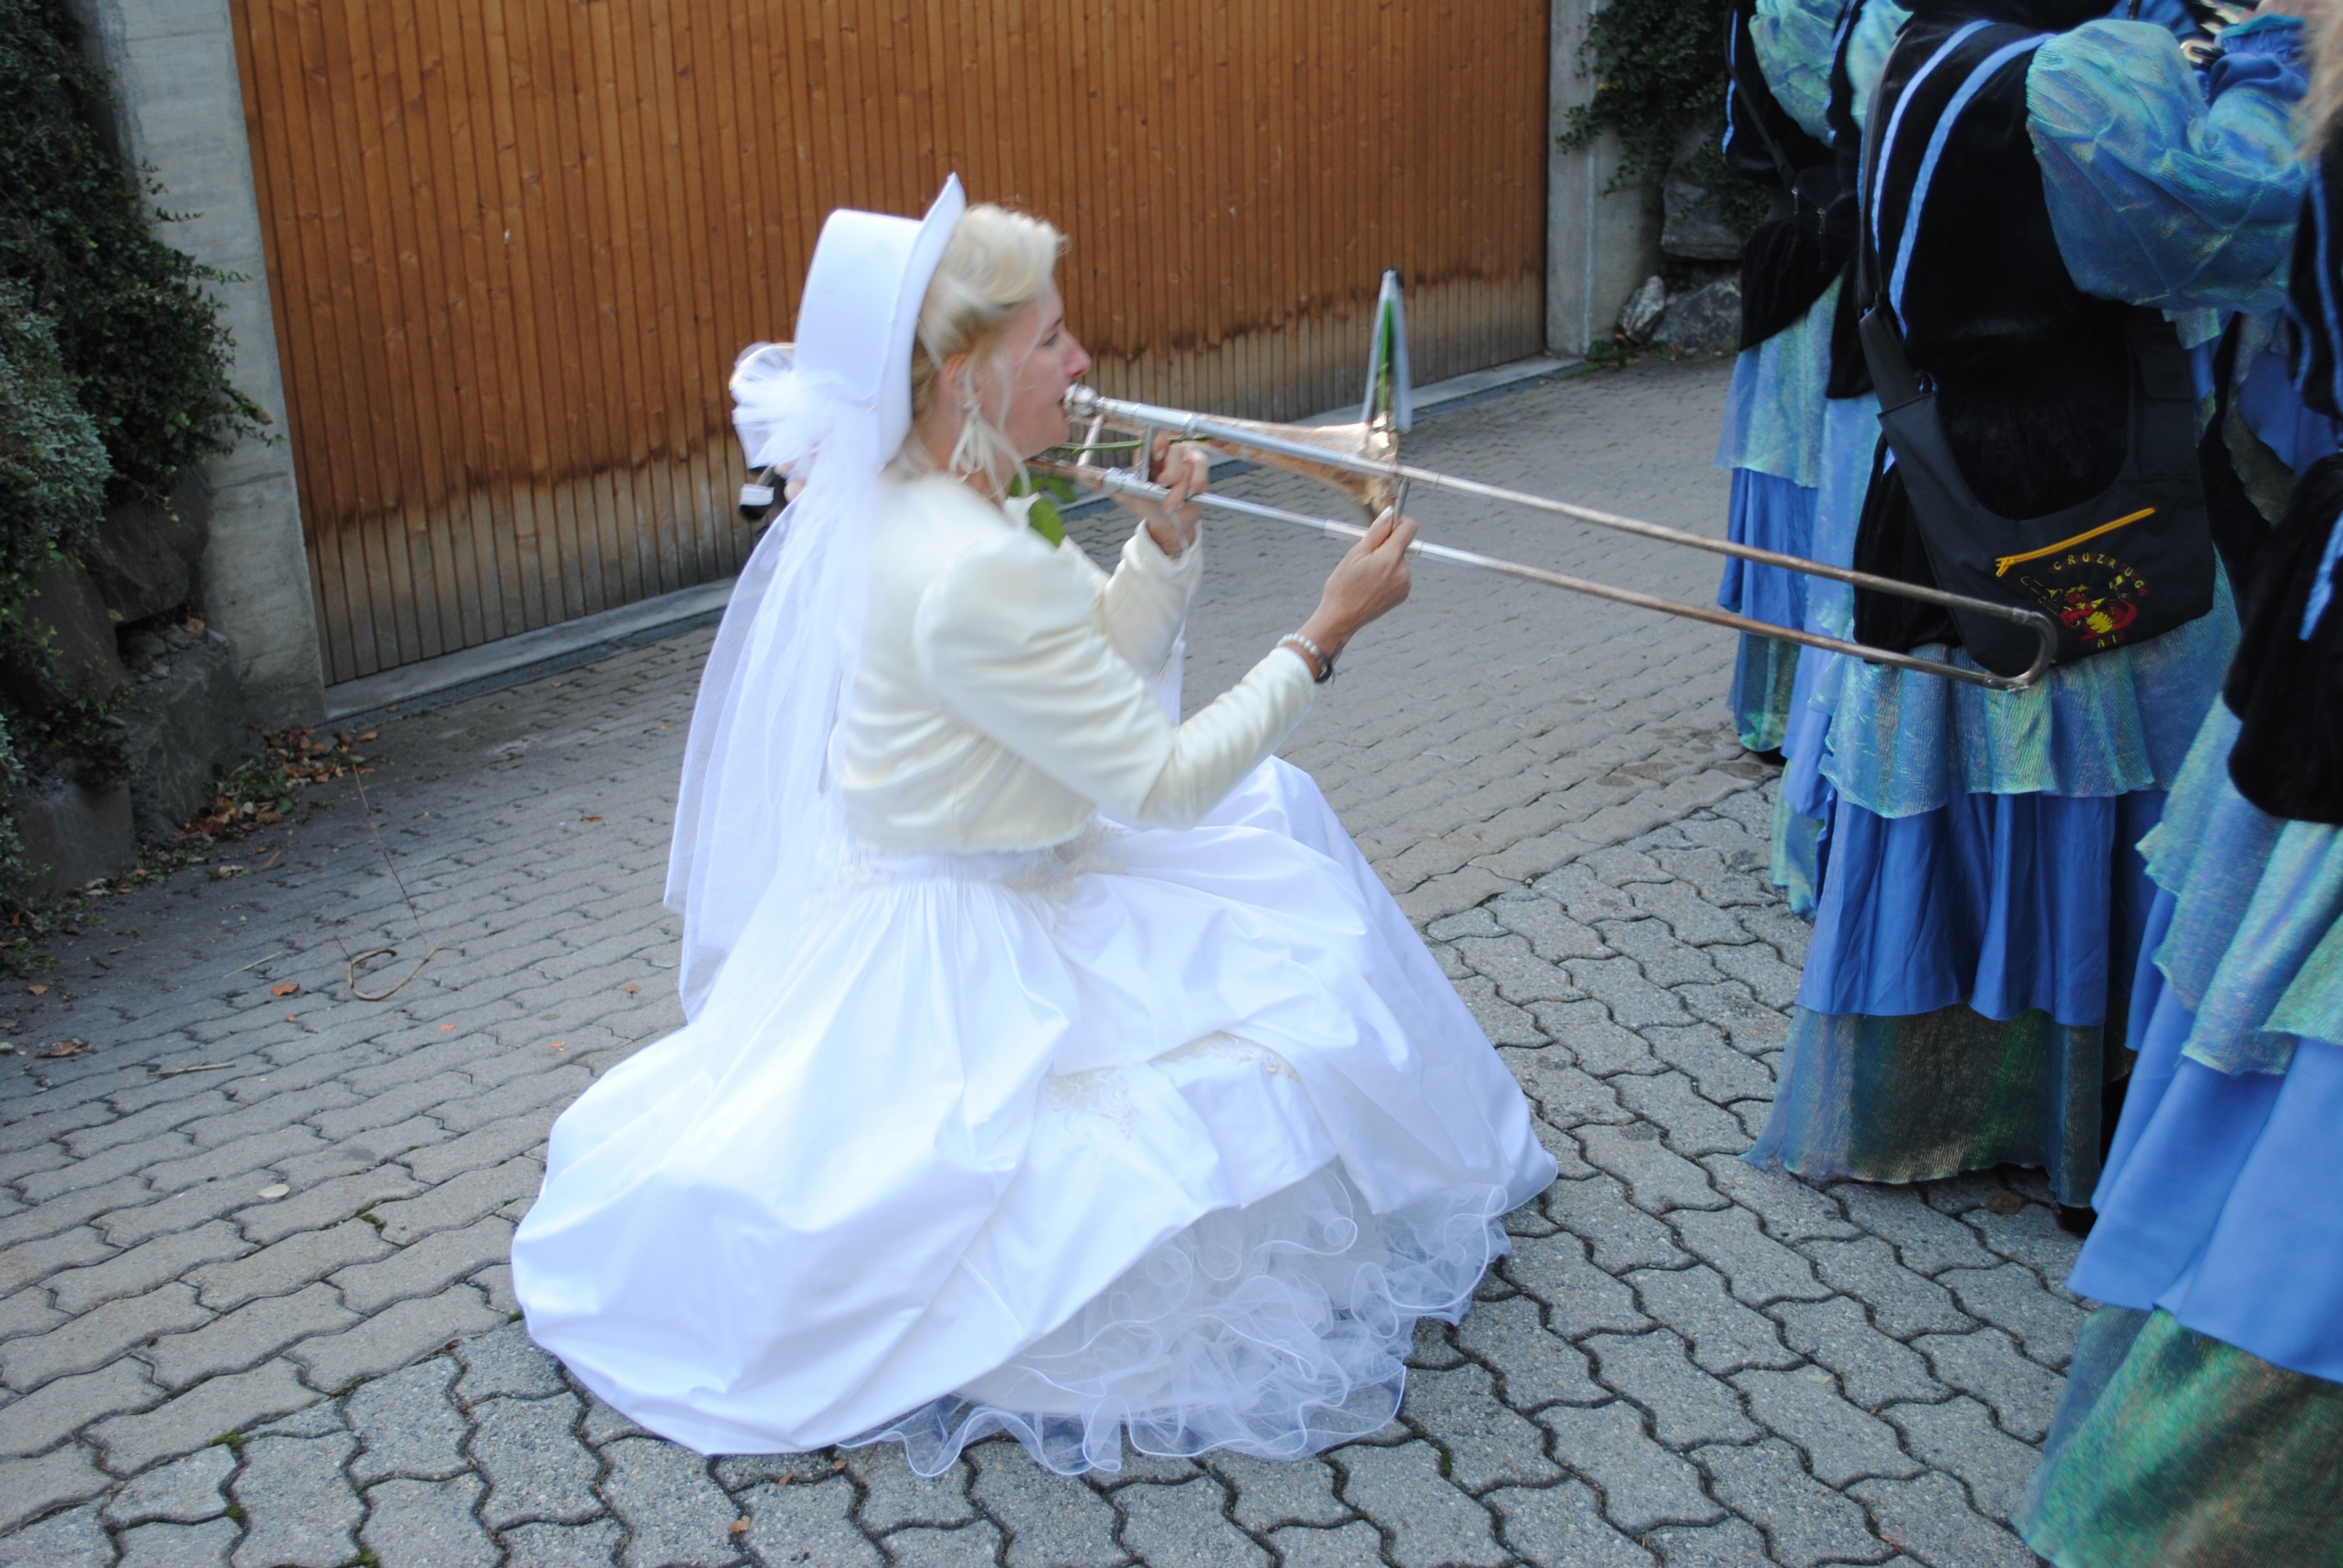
(1372, 579)
(1185, 471)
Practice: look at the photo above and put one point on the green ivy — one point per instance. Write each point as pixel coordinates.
(1659, 71)
(114, 373)
(138, 336)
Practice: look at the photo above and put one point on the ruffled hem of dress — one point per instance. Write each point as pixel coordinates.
(1768, 514)
(1772, 410)
(2005, 904)
(2256, 948)
(1919, 1099)
(1902, 742)
(2222, 1202)
(1276, 1329)
(2169, 1445)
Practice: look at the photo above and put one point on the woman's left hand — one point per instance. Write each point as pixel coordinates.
(1183, 469)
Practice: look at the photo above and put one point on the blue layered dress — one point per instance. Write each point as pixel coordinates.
(2203, 1416)
(1848, 437)
(1771, 442)
(1981, 909)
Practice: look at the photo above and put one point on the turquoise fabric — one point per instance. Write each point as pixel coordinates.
(2255, 945)
(1902, 743)
(1866, 49)
(1794, 40)
(1774, 410)
(2126, 138)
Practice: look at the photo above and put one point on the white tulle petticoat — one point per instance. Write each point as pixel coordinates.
(1165, 1135)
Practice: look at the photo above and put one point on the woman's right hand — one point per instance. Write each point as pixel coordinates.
(1371, 581)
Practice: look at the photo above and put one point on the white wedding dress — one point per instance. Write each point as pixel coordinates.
(1171, 1130)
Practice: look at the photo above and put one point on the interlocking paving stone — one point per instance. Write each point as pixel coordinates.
(1352, 1545)
(287, 1264)
(408, 1425)
(1958, 1437)
(1642, 1484)
(1929, 1517)
(99, 1335)
(535, 1465)
(1806, 1522)
(74, 1539)
(1686, 1404)
(1563, 1525)
(213, 1408)
(299, 1509)
(1841, 1441)
(1483, 1441)
(57, 1410)
(1430, 1522)
(1272, 1493)
(2022, 1394)
(1724, 1335)
(211, 1545)
(246, 1336)
(1184, 1526)
(1874, 1369)
(1053, 1522)
(31, 1487)
(426, 1524)
(2011, 1297)
(1555, 791)
(1539, 1367)
(185, 1492)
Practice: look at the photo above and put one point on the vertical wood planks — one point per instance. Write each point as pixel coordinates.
(515, 245)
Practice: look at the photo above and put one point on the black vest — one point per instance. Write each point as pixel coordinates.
(1805, 243)
(2033, 375)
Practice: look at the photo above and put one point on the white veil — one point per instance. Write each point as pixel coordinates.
(756, 819)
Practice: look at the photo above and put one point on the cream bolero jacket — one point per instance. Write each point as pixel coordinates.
(1002, 700)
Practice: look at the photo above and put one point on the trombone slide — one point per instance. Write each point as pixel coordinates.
(1304, 449)
(1124, 482)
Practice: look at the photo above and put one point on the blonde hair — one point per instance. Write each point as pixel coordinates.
(995, 263)
(2322, 107)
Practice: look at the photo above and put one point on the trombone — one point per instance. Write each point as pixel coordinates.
(1361, 460)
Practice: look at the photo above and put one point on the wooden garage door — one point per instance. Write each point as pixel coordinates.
(514, 248)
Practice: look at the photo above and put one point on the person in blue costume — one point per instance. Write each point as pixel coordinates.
(1777, 57)
(1849, 424)
(1981, 909)
(2203, 1417)
(1850, 437)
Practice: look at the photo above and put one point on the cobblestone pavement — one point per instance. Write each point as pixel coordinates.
(254, 1306)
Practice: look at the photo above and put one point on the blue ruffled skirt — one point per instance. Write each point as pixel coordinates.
(2223, 1199)
(1773, 514)
(1958, 987)
(1802, 811)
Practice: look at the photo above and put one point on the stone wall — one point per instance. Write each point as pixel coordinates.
(1599, 247)
(178, 110)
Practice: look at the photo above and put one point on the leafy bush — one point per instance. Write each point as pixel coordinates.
(114, 373)
(1659, 71)
(141, 340)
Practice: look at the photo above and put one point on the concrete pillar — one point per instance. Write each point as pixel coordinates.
(179, 111)
(1599, 249)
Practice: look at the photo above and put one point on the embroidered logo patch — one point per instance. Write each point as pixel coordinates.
(2095, 596)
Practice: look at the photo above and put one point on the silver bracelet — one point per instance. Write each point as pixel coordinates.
(1324, 670)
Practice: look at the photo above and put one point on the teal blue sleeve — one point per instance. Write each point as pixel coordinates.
(1794, 41)
(1866, 49)
(2159, 197)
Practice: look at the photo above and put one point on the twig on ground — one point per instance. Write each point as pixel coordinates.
(350, 970)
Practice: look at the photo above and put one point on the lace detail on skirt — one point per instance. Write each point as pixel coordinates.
(1275, 1330)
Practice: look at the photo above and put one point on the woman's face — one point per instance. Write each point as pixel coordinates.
(1039, 359)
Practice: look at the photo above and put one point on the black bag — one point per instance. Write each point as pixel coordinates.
(2129, 563)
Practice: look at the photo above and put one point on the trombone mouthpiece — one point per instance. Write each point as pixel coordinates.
(1080, 401)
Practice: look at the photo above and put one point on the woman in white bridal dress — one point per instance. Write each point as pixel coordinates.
(1052, 1067)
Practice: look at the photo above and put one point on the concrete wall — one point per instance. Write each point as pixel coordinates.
(180, 112)
(1599, 249)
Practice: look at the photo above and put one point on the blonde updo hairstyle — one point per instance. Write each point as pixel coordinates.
(995, 262)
